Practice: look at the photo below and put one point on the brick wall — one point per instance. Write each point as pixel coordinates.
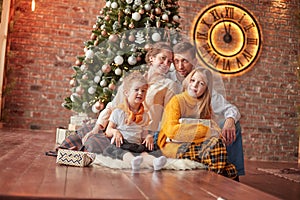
(43, 46)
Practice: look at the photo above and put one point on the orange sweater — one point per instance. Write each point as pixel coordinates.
(180, 106)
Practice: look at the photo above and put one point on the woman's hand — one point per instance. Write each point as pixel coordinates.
(117, 138)
(149, 142)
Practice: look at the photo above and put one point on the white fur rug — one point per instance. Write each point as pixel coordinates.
(174, 164)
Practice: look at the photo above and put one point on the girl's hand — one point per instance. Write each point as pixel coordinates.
(149, 142)
(117, 138)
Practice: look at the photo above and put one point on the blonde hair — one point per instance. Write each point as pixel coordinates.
(205, 108)
(134, 76)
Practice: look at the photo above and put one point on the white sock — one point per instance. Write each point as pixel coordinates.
(159, 162)
(136, 162)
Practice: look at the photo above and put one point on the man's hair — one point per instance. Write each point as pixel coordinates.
(183, 47)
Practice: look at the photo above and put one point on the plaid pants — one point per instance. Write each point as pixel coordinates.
(212, 153)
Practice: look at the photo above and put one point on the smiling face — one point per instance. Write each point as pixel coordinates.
(136, 94)
(197, 85)
(183, 63)
(161, 62)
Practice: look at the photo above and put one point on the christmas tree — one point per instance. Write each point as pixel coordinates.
(120, 37)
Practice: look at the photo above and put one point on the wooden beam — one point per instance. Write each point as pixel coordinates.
(3, 40)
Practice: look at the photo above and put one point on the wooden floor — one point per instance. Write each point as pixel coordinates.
(26, 173)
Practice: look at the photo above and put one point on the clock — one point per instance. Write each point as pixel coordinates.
(227, 37)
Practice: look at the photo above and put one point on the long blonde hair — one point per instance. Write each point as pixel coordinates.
(205, 108)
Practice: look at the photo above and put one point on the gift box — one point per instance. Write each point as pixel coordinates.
(62, 133)
(77, 120)
(74, 158)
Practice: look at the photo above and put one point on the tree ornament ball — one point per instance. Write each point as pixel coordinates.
(112, 86)
(93, 36)
(85, 77)
(72, 82)
(79, 90)
(97, 79)
(104, 33)
(84, 67)
(118, 72)
(136, 16)
(94, 109)
(114, 5)
(85, 105)
(129, 1)
(103, 83)
(74, 96)
(99, 105)
(107, 18)
(106, 68)
(138, 58)
(147, 7)
(175, 18)
(138, 2)
(141, 11)
(113, 38)
(131, 38)
(108, 4)
(157, 11)
(131, 25)
(165, 17)
(89, 53)
(156, 37)
(78, 63)
(119, 60)
(132, 60)
(91, 90)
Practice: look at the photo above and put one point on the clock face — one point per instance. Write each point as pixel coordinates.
(227, 37)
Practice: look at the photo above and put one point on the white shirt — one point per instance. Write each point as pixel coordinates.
(133, 132)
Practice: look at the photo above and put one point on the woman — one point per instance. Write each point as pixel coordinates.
(188, 131)
(161, 89)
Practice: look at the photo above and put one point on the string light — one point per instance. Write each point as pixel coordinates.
(33, 5)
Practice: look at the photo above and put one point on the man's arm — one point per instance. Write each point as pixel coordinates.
(228, 113)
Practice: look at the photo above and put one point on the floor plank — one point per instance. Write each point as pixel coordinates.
(25, 172)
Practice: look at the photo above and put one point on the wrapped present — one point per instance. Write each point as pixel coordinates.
(78, 119)
(74, 158)
(62, 133)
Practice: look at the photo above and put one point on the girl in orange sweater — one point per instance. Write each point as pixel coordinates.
(188, 131)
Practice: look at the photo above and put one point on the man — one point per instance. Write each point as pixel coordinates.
(227, 114)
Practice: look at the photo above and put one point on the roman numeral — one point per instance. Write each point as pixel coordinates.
(239, 63)
(203, 36)
(252, 41)
(205, 23)
(229, 12)
(247, 55)
(215, 14)
(226, 64)
(248, 27)
(214, 59)
(241, 19)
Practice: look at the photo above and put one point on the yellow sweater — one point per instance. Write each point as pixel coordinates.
(180, 106)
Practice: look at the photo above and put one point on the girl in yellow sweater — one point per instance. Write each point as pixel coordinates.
(188, 131)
